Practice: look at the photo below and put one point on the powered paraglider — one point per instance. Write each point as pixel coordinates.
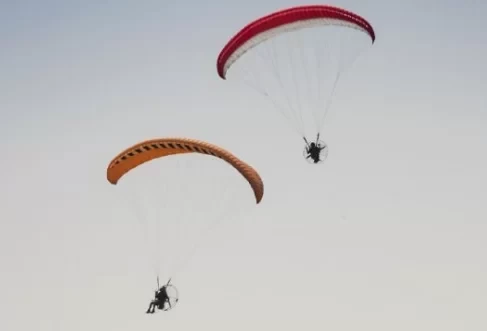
(295, 57)
(186, 186)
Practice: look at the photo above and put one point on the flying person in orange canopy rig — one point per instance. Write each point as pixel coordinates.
(160, 300)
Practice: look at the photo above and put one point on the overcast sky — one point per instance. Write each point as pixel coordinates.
(387, 234)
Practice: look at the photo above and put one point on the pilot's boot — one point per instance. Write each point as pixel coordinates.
(149, 310)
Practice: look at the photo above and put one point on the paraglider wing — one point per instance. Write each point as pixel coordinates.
(291, 19)
(152, 149)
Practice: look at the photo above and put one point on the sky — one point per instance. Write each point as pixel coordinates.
(388, 233)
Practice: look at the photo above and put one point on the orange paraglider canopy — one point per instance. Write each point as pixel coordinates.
(148, 150)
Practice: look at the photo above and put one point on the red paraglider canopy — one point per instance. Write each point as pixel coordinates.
(267, 26)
